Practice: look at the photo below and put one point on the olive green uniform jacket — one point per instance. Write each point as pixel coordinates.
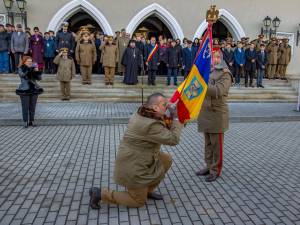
(137, 162)
(214, 115)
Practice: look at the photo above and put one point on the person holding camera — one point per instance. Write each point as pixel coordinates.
(29, 89)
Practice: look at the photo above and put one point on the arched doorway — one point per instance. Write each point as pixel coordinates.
(226, 23)
(153, 26)
(158, 12)
(220, 31)
(78, 6)
(80, 19)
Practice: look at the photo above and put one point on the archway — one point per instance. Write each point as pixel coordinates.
(81, 18)
(77, 6)
(153, 26)
(230, 23)
(156, 10)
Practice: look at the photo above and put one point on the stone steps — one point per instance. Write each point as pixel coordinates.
(274, 91)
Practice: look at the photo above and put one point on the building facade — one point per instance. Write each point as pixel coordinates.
(176, 18)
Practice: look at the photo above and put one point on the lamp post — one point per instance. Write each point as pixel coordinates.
(267, 29)
(12, 14)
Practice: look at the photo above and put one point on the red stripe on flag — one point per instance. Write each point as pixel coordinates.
(183, 112)
(175, 97)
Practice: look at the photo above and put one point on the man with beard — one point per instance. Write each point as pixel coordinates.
(213, 119)
(132, 60)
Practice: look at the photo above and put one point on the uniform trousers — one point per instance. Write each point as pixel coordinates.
(109, 74)
(214, 152)
(65, 88)
(135, 197)
(282, 71)
(272, 71)
(86, 74)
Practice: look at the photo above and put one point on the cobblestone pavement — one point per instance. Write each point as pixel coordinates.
(120, 110)
(45, 174)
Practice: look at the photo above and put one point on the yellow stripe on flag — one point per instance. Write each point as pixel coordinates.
(193, 93)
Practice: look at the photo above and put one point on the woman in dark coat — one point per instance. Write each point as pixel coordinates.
(29, 89)
(132, 60)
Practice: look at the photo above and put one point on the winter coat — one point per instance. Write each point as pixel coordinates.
(19, 42)
(29, 78)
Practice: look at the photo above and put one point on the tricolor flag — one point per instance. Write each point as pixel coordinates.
(191, 93)
(152, 52)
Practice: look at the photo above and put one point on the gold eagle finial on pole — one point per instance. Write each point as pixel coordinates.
(212, 14)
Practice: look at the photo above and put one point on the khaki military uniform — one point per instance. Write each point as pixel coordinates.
(213, 119)
(86, 57)
(65, 72)
(109, 58)
(122, 43)
(272, 51)
(284, 60)
(140, 166)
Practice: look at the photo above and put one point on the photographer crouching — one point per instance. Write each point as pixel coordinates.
(29, 89)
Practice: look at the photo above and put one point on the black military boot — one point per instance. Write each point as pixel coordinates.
(155, 196)
(211, 177)
(95, 197)
(203, 172)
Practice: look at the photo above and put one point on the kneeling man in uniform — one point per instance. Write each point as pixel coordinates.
(214, 117)
(140, 165)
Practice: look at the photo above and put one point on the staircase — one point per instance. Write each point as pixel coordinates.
(274, 91)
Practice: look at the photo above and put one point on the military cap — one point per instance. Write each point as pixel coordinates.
(273, 39)
(123, 30)
(65, 24)
(64, 50)
(110, 38)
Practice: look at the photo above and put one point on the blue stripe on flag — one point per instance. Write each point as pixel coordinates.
(203, 61)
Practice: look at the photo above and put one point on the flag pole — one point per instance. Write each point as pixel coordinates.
(142, 75)
(211, 18)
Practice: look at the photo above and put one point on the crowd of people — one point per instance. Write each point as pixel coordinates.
(67, 54)
(126, 55)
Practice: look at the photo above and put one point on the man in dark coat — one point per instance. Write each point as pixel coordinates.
(132, 60)
(239, 61)
(262, 61)
(228, 57)
(65, 39)
(152, 65)
(173, 62)
(188, 55)
(250, 66)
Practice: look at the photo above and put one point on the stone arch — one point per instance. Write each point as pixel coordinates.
(72, 8)
(229, 21)
(163, 14)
